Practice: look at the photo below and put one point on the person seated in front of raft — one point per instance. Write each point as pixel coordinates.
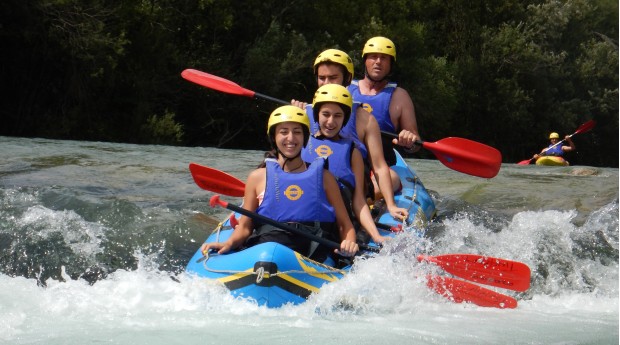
(555, 149)
(334, 66)
(306, 196)
(331, 108)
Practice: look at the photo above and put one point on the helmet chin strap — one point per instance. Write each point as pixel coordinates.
(285, 157)
(288, 159)
(274, 145)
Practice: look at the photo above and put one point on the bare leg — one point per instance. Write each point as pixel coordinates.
(395, 184)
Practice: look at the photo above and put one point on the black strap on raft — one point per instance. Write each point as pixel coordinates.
(269, 233)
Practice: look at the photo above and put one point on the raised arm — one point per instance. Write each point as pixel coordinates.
(571, 144)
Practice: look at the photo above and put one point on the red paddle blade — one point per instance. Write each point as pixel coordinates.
(525, 162)
(216, 83)
(585, 127)
(460, 291)
(487, 270)
(467, 156)
(216, 181)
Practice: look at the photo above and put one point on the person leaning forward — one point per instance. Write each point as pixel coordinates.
(331, 107)
(334, 66)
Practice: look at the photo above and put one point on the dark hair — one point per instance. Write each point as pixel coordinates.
(271, 137)
(346, 76)
(268, 154)
(345, 110)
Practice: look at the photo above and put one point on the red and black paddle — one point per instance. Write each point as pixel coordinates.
(223, 85)
(459, 154)
(506, 274)
(216, 180)
(463, 155)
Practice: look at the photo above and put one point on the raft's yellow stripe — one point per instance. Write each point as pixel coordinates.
(420, 219)
(299, 283)
(329, 277)
(313, 271)
(239, 275)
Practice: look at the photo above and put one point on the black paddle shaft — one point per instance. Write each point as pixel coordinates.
(284, 226)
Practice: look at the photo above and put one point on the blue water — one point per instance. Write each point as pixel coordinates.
(94, 238)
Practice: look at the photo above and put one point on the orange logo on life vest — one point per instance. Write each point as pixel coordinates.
(323, 151)
(293, 192)
(367, 107)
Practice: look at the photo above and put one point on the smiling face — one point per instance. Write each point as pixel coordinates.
(289, 136)
(378, 65)
(331, 117)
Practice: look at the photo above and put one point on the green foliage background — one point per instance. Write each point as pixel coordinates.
(504, 73)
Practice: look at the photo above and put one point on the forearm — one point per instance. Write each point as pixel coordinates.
(348, 234)
(382, 174)
(368, 223)
(238, 236)
(362, 212)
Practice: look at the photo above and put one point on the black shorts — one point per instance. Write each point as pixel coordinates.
(388, 150)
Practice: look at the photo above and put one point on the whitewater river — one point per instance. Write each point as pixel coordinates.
(94, 238)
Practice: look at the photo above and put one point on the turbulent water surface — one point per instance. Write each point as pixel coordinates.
(94, 238)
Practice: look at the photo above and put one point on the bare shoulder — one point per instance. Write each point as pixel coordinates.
(328, 175)
(372, 126)
(329, 182)
(257, 176)
(365, 119)
(362, 115)
(401, 94)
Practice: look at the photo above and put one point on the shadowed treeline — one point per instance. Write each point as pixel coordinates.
(504, 73)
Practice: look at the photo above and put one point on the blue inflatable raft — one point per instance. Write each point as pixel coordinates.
(274, 275)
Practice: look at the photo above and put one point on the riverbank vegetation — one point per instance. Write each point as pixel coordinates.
(504, 73)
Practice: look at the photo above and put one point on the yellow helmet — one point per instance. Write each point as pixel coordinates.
(289, 113)
(554, 135)
(333, 93)
(338, 57)
(380, 45)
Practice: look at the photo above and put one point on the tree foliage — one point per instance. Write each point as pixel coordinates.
(505, 73)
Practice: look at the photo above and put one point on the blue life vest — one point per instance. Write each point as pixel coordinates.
(378, 105)
(348, 131)
(296, 197)
(554, 151)
(338, 153)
